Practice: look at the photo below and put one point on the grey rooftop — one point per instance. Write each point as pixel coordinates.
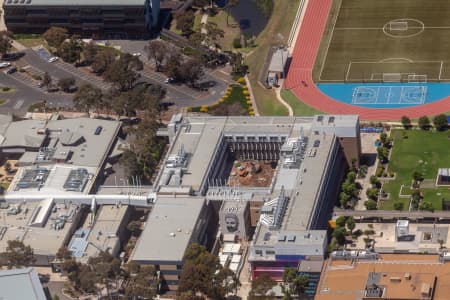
(168, 230)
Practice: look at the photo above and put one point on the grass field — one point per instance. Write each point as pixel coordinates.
(423, 151)
(281, 21)
(299, 108)
(366, 38)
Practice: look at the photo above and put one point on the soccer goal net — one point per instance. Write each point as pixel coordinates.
(417, 78)
(398, 26)
(392, 77)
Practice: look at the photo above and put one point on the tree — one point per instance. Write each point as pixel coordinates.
(375, 181)
(406, 122)
(440, 122)
(230, 4)
(370, 204)
(383, 154)
(18, 255)
(372, 193)
(398, 205)
(47, 79)
(340, 221)
(66, 83)
(424, 122)
(102, 59)
(351, 224)
(339, 234)
(106, 269)
(202, 274)
(122, 73)
(5, 43)
(143, 285)
(70, 51)
(174, 60)
(426, 205)
(237, 64)
(191, 71)
(262, 285)
(90, 50)
(157, 51)
(134, 227)
(87, 98)
(417, 176)
(55, 36)
(213, 34)
(294, 284)
(63, 253)
(185, 22)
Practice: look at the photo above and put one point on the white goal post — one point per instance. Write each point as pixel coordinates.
(417, 78)
(398, 25)
(392, 77)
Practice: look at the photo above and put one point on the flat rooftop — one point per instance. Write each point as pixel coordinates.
(54, 183)
(201, 136)
(21, 284)
(44, 240)
(426, 238)
(168, 230)
(89, 140)
(344, 280)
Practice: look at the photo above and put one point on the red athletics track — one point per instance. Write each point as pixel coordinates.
(304, 56)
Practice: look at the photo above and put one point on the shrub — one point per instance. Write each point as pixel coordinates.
(6, 88)
(204, 108)
(36, 77)
(237, 43)
(241, 80)
(379, 171)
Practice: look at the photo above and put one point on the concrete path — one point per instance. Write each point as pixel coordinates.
(281, 100)
(203, 22)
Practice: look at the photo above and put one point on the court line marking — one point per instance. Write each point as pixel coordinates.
(381, 28)
(329, 41)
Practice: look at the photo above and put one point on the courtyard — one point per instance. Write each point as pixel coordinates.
(421, 151)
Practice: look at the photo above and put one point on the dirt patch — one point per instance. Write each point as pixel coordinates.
(251, 173)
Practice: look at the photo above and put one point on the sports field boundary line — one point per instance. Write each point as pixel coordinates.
(381, 28)
(329, 41)
(347, 73)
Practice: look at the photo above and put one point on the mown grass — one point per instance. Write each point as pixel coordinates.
(280, 22)
(422, 151)
(299, 108)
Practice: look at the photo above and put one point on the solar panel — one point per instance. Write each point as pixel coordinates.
(266, 236)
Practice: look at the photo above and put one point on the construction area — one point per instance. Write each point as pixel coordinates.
(251, 173)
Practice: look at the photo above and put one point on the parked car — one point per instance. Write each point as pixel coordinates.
(11, 70)
(137, 54)
(53, 59)
(4, 64)
(169, 80)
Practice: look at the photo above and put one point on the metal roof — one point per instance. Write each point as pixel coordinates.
(21, 284)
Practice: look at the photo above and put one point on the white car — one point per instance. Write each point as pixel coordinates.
(137, 54)
(4, 64)
(53, 59)
(169, 80)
